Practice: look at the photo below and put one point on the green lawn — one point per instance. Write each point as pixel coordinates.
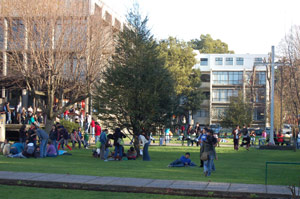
(233, 166)
(9, 192)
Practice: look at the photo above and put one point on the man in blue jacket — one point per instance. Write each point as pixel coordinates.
(103, 139)
(43, 138)
(184, 161)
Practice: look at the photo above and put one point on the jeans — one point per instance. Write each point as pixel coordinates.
(146, 156)
(43, 148)
(55, 143)
(8, 117)
(261, 141)
(18, 155)
(209, 165)
(102, 151)
(106, 153)
(87, 126)
(97, 138)
(178, 163)
(118, 149)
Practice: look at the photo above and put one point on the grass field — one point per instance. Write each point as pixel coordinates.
(233, 166)
(9, 192)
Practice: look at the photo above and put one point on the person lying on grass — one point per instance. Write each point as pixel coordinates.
(184, 161)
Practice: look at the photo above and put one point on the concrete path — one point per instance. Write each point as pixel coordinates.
(141, 185)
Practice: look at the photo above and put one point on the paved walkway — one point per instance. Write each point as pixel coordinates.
(141, 185)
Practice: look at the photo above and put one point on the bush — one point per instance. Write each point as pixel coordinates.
(69, 125)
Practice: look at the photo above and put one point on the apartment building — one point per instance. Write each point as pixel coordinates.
(224, 76)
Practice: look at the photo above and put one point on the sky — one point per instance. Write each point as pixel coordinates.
(247, 26)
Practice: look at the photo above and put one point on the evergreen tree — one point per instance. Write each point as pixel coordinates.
(206, 44)
(137, 90)
(239, 113)
(180, 60)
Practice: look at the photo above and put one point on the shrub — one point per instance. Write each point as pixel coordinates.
(69, 125)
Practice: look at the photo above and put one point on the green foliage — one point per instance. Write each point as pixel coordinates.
(69, 125)
(180, 60)
(239, 113)
(137, 90)
(206, 44)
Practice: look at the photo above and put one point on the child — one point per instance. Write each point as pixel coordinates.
(131, 154)
(184, 161)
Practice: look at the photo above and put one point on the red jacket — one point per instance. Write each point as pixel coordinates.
(93, 123)
(97, 130)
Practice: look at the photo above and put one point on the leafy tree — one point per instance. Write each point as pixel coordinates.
(180, 60)
(137, 90)
(206, 44)
(239, 113)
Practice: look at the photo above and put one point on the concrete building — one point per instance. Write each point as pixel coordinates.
(12, 24)
(224, 76)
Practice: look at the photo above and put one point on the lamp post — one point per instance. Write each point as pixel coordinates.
(272, 98)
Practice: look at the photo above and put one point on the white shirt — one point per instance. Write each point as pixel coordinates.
(143, 140)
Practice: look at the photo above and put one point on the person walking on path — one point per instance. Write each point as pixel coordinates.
(118, 143)
(236, 137)
(103, 139)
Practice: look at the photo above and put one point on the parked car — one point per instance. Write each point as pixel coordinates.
(286, 128)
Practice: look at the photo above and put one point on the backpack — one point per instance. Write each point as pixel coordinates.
(30, 149)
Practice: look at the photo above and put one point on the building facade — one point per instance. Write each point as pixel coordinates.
(20, 25)
(226, 75)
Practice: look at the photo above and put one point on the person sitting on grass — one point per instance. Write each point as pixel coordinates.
(28, 152)
(184, 161)
(5, 147)
(51, 151)
(131, 154)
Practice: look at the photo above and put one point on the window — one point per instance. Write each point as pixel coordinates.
(203, 62)
(260, 78)
(1, 33)
(219, 61)
(206, 95)
(218, 112)
(205, 78)
(223, 95)
(16, 34)
(258, 60)
(203, 113)
(227, 78)
(229, 61)
(240, 61)
(259, 113)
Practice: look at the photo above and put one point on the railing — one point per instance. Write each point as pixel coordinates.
(276, 163)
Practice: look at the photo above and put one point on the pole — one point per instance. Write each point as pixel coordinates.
(272, 98)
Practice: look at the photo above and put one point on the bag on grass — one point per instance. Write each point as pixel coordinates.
(30, 148)
(204, 156)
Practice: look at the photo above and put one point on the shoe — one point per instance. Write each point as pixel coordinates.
(205, 173)
(106, 160)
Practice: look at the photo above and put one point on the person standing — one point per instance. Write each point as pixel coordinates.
(93, 125)
(236, 137)
(246, 137)
(53, 135)
(43, 138)
(88, 120)
(208, 148)
(97, 130)
(118, 142)
(201, 139)
(103, 139)
(7, 113)
(144, 142)
(19, 112)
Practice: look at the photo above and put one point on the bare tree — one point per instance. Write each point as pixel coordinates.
(56, 48)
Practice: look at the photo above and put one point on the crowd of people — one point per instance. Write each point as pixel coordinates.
(21, 115)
